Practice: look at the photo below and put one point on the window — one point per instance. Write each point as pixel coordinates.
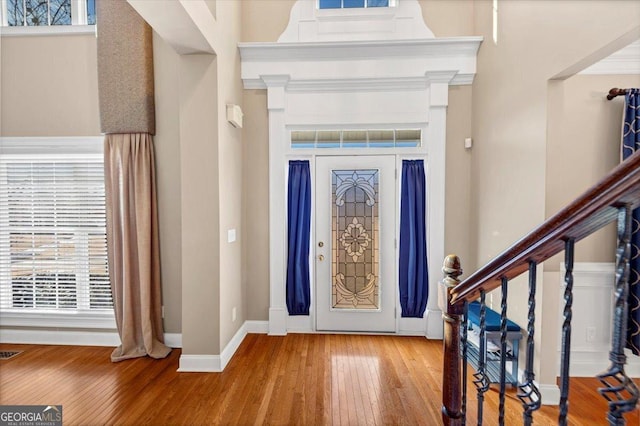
(350, 4)
(17, 13)
(53, 251)
(402, 138)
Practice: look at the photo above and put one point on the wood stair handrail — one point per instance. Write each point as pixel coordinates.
(594, 209)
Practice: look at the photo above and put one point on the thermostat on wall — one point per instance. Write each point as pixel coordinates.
(234, 115)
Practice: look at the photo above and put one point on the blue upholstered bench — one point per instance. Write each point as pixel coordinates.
(492, 343)
(492, 318)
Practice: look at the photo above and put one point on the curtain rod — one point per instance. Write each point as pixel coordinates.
(616, 92)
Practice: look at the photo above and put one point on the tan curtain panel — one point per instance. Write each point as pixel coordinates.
(133, 246)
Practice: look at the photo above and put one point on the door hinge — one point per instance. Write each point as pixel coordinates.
(395, 243)
(395, 172)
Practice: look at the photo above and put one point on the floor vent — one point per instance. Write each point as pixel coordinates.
(8, 354)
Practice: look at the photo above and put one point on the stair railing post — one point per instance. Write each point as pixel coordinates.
(452, 414)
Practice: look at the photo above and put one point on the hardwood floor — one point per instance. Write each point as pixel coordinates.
(298, 379)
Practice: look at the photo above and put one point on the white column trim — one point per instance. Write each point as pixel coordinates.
(436, 178)
(277, 198)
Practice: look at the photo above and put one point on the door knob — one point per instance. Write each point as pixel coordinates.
(320, 257)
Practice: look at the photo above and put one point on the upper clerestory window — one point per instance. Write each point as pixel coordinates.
(350, 4)
(32, 13)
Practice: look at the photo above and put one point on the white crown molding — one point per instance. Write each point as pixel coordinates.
(625, 61)
(363, 84)
(358, 65)
(359, 49)
(346, 85)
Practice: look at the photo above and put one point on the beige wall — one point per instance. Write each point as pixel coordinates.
(450, 18)
(536, 41)
(584, 132)
(49, 86)
(265, 20)
(167, 149)
(230, 147)
(255, 207)
(200, 202)
(458, 230)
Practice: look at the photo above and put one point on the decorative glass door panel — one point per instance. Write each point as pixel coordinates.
(355, 205)
(354, 230)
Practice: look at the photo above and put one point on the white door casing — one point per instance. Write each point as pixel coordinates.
(355, 255)
(322, 74)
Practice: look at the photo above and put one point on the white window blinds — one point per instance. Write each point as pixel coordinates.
(53, 252)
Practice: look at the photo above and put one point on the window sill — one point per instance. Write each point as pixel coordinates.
(90, 320)
(52, 30)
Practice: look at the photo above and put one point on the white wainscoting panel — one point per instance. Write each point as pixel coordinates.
(593, 298)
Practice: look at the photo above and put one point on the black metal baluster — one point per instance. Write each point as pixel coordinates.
(481, 379)
(529, 393)
(465, 327)
(503, 351)
(619, 389)
(566, 331)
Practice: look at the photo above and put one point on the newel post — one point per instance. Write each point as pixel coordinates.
(452, 315)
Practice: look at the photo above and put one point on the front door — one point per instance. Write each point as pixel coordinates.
(354, 253)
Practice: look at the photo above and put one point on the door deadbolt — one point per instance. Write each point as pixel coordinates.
(320, 244)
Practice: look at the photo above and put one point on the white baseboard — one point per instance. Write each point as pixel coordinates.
(550, 394)
(412, 327)
(435, 327)
(73, 338)
(200, 364)
(173, 340)
(632, 368)
(232, 346)
(593, 283)
(299, 324)
(592, 363)
(257, 327)
(217, 363)
(278, 321)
